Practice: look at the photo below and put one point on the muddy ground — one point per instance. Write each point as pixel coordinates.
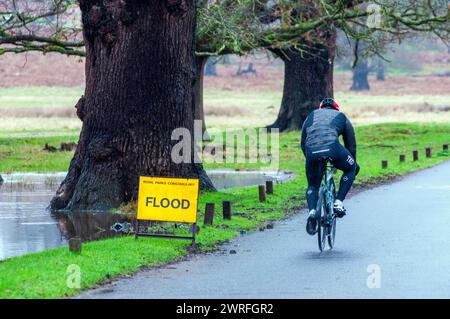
(230, 100)
(36, 69)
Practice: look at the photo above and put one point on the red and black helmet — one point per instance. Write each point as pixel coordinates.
(329, 102)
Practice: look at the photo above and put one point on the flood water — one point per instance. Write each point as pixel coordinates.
(26, 226)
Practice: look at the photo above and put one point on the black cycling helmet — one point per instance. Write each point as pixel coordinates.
(329, 102)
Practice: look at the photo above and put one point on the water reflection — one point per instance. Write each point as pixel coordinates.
(91, 226)
(223, 179)
(25, 225)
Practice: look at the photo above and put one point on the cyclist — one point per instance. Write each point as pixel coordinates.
(320, 139)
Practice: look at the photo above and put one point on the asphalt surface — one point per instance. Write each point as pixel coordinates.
(393, 243)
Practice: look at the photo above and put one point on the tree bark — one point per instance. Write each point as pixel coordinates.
(139, 88)
(199, 112)
(307, 80)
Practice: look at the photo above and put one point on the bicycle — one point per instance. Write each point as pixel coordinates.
(326, 218)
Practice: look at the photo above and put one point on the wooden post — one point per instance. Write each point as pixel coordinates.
(269, 187)
(415, 155)
(428, 152)
(384, 164)
(262, 193)
(75, 244)
(224, 150)
(226, 209)
(445, 147)
(209, 214)
(402, 158)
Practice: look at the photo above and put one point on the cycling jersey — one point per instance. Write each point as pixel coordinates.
(323, 127)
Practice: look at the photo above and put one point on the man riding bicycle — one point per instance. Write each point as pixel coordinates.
(320, 139)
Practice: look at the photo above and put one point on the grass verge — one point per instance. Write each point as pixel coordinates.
(28, 155)
(45, 274)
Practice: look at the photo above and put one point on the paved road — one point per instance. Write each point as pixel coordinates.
(400, 232)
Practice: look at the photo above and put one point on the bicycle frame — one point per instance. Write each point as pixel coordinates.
(326, 187)
(329, 183)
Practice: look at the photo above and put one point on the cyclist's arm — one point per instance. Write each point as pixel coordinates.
(303, 141)
(349, 138)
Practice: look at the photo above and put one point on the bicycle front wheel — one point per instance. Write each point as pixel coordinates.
(332, 226)
(332, 231)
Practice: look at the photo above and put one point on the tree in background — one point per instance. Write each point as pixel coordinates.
(391, 22)
(308, 69)
(299, 32)
(380, 70)
(360, 70)
(240, 27)
(43, 26)
(367, 34)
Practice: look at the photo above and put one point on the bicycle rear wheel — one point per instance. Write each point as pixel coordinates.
(332, 231)
(322, 227)
(332, 226)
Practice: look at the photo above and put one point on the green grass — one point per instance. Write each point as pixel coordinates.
(37, 133)
(224, 108)
(44, 274)
(50, 97)
(39, 96)
(354, 101)
(27, 154)
(422, 70)
(388, 141)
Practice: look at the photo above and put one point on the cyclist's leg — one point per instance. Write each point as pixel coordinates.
(314, 177)
(314, 173)
(344, 161)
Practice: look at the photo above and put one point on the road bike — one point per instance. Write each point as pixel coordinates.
(326, 218)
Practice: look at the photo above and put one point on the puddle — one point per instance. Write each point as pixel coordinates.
(26, 226)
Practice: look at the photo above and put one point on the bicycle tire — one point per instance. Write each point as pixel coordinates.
(332, 233)
(322, 228)
(332, 236)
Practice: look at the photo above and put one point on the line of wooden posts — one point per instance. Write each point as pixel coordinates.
(226, 205)
(75, 243)
(268, 189)
(415, 155)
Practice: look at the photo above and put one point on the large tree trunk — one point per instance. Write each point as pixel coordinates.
(307, 80)
(199, 112)
(139, 88)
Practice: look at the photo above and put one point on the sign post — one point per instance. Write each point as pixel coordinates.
(163, 199)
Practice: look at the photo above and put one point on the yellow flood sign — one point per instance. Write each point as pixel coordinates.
(168, 199)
